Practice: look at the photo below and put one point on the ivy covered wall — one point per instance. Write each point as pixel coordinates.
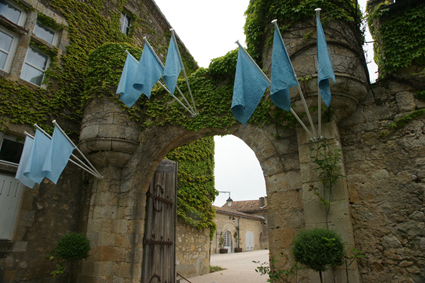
(89, 25)
(289, 12)
(195, 186)
(399, 36)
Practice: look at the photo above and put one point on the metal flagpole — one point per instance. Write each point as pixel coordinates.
(86, 168)
(319, 98)
(163, 67)
(264, 75)
(70, 160)
(178, 100)
(184, 71)
(299, 88)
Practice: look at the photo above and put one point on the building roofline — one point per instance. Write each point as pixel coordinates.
(238, 213)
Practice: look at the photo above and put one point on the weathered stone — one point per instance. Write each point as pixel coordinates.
(406, 101)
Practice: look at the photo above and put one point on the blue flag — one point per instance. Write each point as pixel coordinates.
(33, 168)
(326, 71)
(283, 76)
(23, 162)
(148, 73)
(249, 87)
(129, 94)
(172, 67)
(57, 156)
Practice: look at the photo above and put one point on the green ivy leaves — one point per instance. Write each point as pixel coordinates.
(403, 38)
(261, 12)
(196, 190)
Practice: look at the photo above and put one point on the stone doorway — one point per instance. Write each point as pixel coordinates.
(129, 162)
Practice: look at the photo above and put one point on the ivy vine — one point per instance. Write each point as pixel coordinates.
(288, 12)
(196, 188)
(402, 36)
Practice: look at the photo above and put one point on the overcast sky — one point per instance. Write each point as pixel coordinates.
(209, 29)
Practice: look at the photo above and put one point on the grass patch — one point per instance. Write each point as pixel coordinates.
(215, 268)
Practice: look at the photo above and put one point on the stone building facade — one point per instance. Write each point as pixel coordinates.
(259, 208)
(228, 221)
(193, 248)
(378, 208)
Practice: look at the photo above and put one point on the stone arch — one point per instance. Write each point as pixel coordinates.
(228, 243)
(129, 155)
(125, 185)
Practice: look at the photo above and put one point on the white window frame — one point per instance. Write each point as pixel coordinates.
(22, 16)
(44, 71)
(13, 48)
(55, 33)
(124, 28)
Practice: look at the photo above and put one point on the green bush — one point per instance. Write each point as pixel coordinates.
(318, 249)
(72, 246)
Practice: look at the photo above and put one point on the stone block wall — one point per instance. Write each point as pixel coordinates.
(46, 214)
(386, 184)
(193, 248)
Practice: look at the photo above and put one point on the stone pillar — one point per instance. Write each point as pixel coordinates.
(115, 229)
(117, 207)
(315, 216)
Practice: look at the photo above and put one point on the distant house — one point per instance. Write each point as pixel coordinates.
(255, 207)
(250, 217)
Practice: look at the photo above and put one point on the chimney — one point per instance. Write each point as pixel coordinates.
(261, 202)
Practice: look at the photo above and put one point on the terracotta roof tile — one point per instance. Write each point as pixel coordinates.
(248, 205)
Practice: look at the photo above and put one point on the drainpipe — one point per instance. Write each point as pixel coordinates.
(239, 230)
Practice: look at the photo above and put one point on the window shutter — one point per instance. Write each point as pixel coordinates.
(10, 197)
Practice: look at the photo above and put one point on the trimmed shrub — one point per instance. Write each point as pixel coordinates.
(318, 249)
(72, 246)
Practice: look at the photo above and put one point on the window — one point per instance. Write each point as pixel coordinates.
(125, 23)
(13, 13)
(11, 149)
(8, 43)
(45, 33)
(35, 65)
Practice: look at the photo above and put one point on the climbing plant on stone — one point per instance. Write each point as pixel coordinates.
(327, 161)
(196, 190)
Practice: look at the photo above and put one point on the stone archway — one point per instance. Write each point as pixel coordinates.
(128, 156)
(116, 220)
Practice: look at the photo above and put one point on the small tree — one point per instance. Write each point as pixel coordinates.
(72, 246)
(318, 249)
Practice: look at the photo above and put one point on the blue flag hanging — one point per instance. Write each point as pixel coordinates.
(173, 67)
(129, 94)
(148, 73)
(23, 162)
(325, 69)
(33, 168)
(283, 76)
(248, 89)
(57, 156)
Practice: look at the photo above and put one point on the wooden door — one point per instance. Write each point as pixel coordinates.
(10, 198)
(159, 249)
(249, 240)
